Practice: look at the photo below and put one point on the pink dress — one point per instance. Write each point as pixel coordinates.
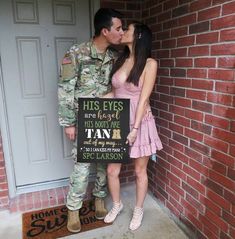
(147, 141)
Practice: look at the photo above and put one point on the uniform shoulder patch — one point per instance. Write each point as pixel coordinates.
(66, 60)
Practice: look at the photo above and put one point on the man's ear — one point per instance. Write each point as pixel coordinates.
(105, 31)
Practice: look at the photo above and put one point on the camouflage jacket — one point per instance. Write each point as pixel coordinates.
(83, 73)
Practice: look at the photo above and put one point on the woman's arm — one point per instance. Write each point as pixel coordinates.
(148, 84)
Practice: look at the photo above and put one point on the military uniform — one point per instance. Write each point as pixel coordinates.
(84, 73)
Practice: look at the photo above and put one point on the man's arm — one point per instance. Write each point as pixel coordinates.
(66, 90)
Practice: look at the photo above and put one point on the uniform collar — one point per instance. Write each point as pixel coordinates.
(108, 56)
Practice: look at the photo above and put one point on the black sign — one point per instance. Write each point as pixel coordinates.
(103, 126)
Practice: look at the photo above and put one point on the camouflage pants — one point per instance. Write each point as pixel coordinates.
(79, 182)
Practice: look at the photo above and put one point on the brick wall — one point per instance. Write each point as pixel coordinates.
(194, 101)
(4, 199)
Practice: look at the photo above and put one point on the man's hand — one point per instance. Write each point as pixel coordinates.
(70, 132)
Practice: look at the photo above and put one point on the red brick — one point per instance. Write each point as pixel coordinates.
(223, 22)
(170, 24)
(217, 220)
(199, 51)
(176, 128)
(223, 158)
(199, 27)
(232, 126)
(177, 188)
(172, 193)
(179, 173)
(163, 89)
(193, 134)
(209, 13)
(202, 84)
(181, 31)
(183, 82)
(207, 38)
(208, 224)
(163, 53)
(224, 135)
(193, 154)
(219, 200)
(163, 72)
(189, 207)
(170, 4)
(215, 187)
(222, 180)
(166, 81)
(227, 35)
(230, 196)
(226, 87)
(226, 62)
(190, 190)
(180, 11)
(211, 205)
(202, 106)
(187, 20)
(181, 121)
(216, 144)
(195, 94)
(210, 234)
(199, 147)
(190, 171)
(181, 157)
(205, 62)
(169, 43)
(224, 49)
(220, 98)
(182, 102)
(191, 114)
(218, 74)
(183, 62)
(228, 8)
(232, 150)
(163, 16)
(180, 52)
(199, 4)
(216, 121)
(196, 73)
(178, 72)
(224, 112)
(166, 63)
(167, 99)
(201, 127)
(176, 145)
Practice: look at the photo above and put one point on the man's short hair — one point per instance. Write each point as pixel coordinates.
(103, 19)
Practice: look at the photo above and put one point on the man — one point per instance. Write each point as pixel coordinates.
(85, 72)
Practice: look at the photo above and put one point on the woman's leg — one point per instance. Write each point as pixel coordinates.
(141, 191)
(113, 171)
(141, 180)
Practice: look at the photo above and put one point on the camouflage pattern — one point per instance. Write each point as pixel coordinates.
(79, 183)
(84, 73)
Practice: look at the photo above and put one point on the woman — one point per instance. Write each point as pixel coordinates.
(133, 77)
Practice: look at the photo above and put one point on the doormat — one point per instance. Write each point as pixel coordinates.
(51, 223)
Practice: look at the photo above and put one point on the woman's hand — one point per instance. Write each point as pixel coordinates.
(131, 137)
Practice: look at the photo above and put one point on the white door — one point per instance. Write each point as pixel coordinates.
(34, 35)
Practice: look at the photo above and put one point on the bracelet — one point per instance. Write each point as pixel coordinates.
(135, 128)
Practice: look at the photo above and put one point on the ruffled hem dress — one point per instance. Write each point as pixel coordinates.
(147, 141)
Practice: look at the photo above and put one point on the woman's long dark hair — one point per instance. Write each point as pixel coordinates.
(142, 50)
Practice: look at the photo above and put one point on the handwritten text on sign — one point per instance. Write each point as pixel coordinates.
(103, 125)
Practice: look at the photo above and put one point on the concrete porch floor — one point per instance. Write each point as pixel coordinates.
(156, 223)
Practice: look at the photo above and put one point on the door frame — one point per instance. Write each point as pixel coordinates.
(6, 140)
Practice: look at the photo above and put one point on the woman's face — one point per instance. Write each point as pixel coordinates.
(128, 36)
